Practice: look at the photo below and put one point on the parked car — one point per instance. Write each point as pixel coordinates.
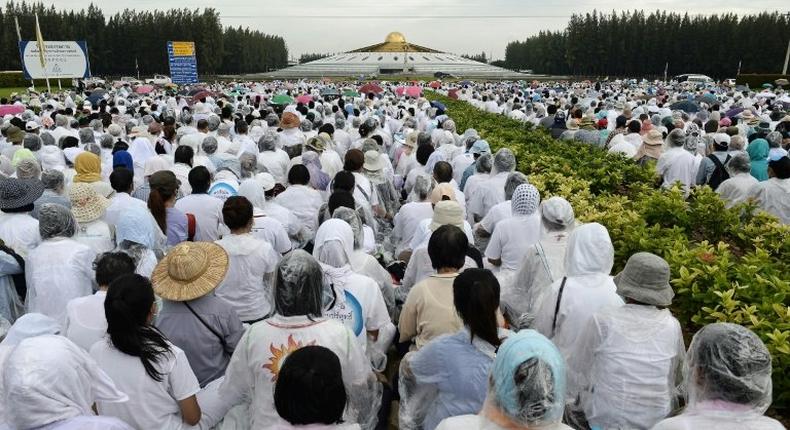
(729, 82)
(159, 80)
(127, 80)
(93, 81)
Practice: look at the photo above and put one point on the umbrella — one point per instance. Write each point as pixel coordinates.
(453, 93)
(435, 84)
(371, 88)
(144, 89)
(686, 106)
(11, 109)
(733, 112)
(767, 86)
(413, 91)
(400, 91)
(708, 98)
(781, 82)
(200, 95)
(350, 93)
(304, 99)
(466, 82)
(282, 99)
(95, 96)
(439, 105)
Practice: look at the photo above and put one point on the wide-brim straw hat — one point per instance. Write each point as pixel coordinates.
(645, 279)
(190, 271)
(87, 204)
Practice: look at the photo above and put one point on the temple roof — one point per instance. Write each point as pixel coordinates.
(395, 42)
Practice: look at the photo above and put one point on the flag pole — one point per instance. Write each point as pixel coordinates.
(40, 42)
(19, 38)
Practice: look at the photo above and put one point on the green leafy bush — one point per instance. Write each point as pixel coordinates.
(728, 265)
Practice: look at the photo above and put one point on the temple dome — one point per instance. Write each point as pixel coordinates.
(395, 37)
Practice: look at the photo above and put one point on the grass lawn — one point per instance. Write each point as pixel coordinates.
(5, 92)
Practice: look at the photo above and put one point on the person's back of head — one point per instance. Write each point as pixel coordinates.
(423, 153)
(512, 182)
(344, 181)
(237, 213)
(309, 388)
(199, 179)
(340, 198)
(298, 285)
(122, 180)
(184, 154)
(111, 266)
(634, 126)
(202, 125)
(476, 299)
(676, 138)
(447, 247)
(298, 175)
(354, 160)
(443, 172)
(53, 180)
(424, 138)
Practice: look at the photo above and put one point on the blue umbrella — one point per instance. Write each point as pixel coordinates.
(686, 106)
(96, 96)
(440, 107)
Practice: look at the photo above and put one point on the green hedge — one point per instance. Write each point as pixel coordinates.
(17, 79)
(757, 81)
(727, 264)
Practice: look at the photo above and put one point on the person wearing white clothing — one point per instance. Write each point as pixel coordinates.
(728, 382)
(88, 210)
(298, 322)
(408, 217)
(676, 164)
(773, 195)
(60, 269)
(19, 230)
(568, 306)
(272, 158)
(207, 209)
(86, 323)
(303, 201)
(736, 189)
(264, 226)
(52, 384)
(619, 145)
(502, 210)
(247, 286)
(121, 180)
(492, 190)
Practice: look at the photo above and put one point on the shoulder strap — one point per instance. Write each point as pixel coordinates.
(557, 306)
(211, 329)
(716, 160)
(191, 227)
(362, 190)
(542, 255)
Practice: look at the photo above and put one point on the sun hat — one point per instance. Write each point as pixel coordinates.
(87, 204)
(447, 213)
(654, 137)
(16, 193)
(265, 180)
(480, 147)
(372, 161)
(139, 131)
(189, 271)
(442, 192)
(15, 134)
(645, 279)
(721, 140)
(316, 144)
(558, 211)
(31, 126)
(289, 120)
(411, 139)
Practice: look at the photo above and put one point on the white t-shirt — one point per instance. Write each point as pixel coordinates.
(512, 238)
(478, 422)
(247, 286)
(152, 404)
(260, 353)
(304, 202)
(86, 323)
(269, 229)
(499, 212)
(362, 309)
(208, 215)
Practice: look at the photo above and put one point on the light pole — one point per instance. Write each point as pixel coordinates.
(787, 54)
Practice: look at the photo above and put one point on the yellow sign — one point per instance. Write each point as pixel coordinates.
(183, 49)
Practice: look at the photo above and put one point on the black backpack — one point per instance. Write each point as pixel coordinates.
(719, 174)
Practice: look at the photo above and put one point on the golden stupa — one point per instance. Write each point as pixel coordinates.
(395, 42)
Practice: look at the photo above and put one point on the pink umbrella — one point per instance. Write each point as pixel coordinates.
(144, 89)
(453, 93)
(304, 99)
(435, 84)
(400, 90)
(371, 88)
(11, 109)
(413, 91)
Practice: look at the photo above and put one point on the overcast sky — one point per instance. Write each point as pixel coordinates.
(459, 26)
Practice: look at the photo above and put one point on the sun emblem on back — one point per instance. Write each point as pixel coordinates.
(280, 354)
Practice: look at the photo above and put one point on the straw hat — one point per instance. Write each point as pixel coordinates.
(653, 137)
(289, 120)
(189, 271)
(87, 204)
(645, 279)
(411, 139)
(372, 161)
(447, 213)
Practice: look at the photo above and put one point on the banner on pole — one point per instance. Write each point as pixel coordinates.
(183, 63)
(62, 59)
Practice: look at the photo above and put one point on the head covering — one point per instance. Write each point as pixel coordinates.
(435, 157)
(55, 220)
(190, 270)
(721, 141)
(411, 139)
(373, 162)
(298, 284)
(20, 155)
(645, 279)
(87, 204)
(316, 144)
(15, 134)
(758, 150)
(154, 164)
(652, 145)
(480, 147)
(528, 380)
(558, 211)
(137, 226)
(30, 325)
(17, 193)
(504, 161)
(589, 251)
(141, 150)
(52, 158)
(289, 120)
(164, 180)
(352, 218)
(48, 379)
(334, 243)
(442, 192)
(88, 167)
(252, 191)
(728, 362)
(447, 212)
(319, 180)
(780, 167)
(122, 159)
(525, 200)
(266, 181)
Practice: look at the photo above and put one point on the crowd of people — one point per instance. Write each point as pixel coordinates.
(278, 255)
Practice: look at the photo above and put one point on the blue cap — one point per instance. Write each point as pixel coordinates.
(480, 147)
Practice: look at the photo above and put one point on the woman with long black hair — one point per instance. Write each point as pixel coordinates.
(161, 203)
(163, 391)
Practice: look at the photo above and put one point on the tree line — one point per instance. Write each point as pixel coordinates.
(119, 44)
(638, 44)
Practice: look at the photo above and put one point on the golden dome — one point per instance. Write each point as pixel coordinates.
(395, 37)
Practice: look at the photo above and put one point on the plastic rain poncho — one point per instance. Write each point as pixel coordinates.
(48, 379)
(728, 382)
(526, 388)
